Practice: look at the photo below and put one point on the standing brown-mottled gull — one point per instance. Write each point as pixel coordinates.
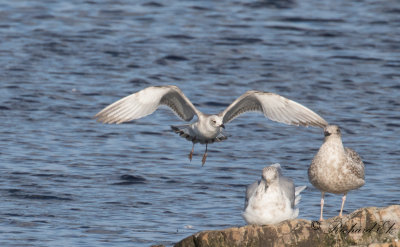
(272, 199)
(335, 168)
(208, 128)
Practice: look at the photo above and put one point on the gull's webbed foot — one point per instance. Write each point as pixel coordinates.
(191, 153)
(190, 156)
(204, 159)
(204, 156)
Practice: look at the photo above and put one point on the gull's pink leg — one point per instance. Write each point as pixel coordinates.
(343, 200)
(322, 205)
(204, 156)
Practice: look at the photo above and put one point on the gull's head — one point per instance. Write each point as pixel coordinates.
(216, 121)
(332, 130)
(270, 174)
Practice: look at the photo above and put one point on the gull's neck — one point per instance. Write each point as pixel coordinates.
(271, 183)
(333, 144)
(263, 185)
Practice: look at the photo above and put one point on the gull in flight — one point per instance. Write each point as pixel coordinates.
(335, 168)
(273, 199)
(208, 128)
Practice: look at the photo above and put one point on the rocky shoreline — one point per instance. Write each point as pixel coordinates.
(364, 227)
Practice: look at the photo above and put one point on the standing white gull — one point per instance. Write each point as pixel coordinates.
(335, 168)
(272, 199)
(208, 128)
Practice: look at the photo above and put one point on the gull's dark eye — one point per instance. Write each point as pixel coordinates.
(326, 133)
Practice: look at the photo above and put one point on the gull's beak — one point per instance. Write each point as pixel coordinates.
(222, 125)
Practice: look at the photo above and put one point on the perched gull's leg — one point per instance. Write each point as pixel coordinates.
(322, 205)
(191, 153)
(204, 156)
(343, 200)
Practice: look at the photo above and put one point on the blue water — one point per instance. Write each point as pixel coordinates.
(67, 180)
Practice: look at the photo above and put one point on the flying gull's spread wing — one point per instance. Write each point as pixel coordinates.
(275, 107)
(145, 102)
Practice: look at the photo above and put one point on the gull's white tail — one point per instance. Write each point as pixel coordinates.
(186, 131)
(297, 192)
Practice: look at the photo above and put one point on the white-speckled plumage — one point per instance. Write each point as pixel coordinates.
(273, 199)
(208, 128)
(335, 169)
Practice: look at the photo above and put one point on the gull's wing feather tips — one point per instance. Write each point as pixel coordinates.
(275, 107)
(145, 102)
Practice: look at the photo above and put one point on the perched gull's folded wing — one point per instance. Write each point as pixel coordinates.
(250, 190)
(275, 107)
(145, 102)
(288, 189)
